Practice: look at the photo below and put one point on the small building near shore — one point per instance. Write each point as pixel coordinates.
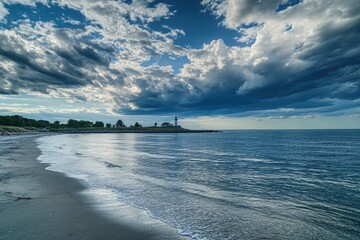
(166, 124)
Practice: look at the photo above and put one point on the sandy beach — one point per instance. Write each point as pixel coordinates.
(39, 204)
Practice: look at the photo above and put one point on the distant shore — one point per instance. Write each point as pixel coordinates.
(41, 204)
(140, 130)
(8, 131)
(16, 124)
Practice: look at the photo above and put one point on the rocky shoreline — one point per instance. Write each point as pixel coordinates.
(7, 133)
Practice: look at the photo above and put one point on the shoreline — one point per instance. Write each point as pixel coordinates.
(41, 204)
(75, 131)
(96, 131)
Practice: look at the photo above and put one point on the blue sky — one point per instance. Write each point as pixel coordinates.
(225, 64)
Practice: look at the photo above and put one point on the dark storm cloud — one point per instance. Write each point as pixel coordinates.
(50, 67)
(91, 54)
(336, 45)
(45, 75)
(70, 57)
(156, 97)
(7, 91)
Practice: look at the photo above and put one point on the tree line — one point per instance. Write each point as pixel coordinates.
(19, 121)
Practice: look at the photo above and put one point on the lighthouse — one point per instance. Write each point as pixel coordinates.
(176, 123)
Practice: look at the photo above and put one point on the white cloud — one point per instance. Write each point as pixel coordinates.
(25, 2)
(3, 12)
(237, 12)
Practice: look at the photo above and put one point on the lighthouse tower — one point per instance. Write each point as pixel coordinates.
(176, 123)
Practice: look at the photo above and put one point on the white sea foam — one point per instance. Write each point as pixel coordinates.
(101, 193)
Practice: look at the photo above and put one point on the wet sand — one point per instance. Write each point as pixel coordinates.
(39, 204)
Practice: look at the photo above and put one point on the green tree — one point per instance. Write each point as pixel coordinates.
(98, 124)
(84, 124)
(56, 125)
(72, 123)
(155, 124)
(137, 125)
(108, 125)
(17, 120)
(42, 124)
(120, 123)
(20, 121)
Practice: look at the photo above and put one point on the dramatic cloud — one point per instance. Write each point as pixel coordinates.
(46, 57)
(302, 56)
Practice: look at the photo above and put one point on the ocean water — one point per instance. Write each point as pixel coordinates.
(226, 185)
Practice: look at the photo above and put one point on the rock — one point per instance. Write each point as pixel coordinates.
(23, 198)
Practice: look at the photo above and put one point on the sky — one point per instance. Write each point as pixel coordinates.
(221, 64)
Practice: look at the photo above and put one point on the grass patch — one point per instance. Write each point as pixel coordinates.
(8, 129)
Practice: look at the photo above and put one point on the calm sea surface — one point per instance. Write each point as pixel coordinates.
(229, 185)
